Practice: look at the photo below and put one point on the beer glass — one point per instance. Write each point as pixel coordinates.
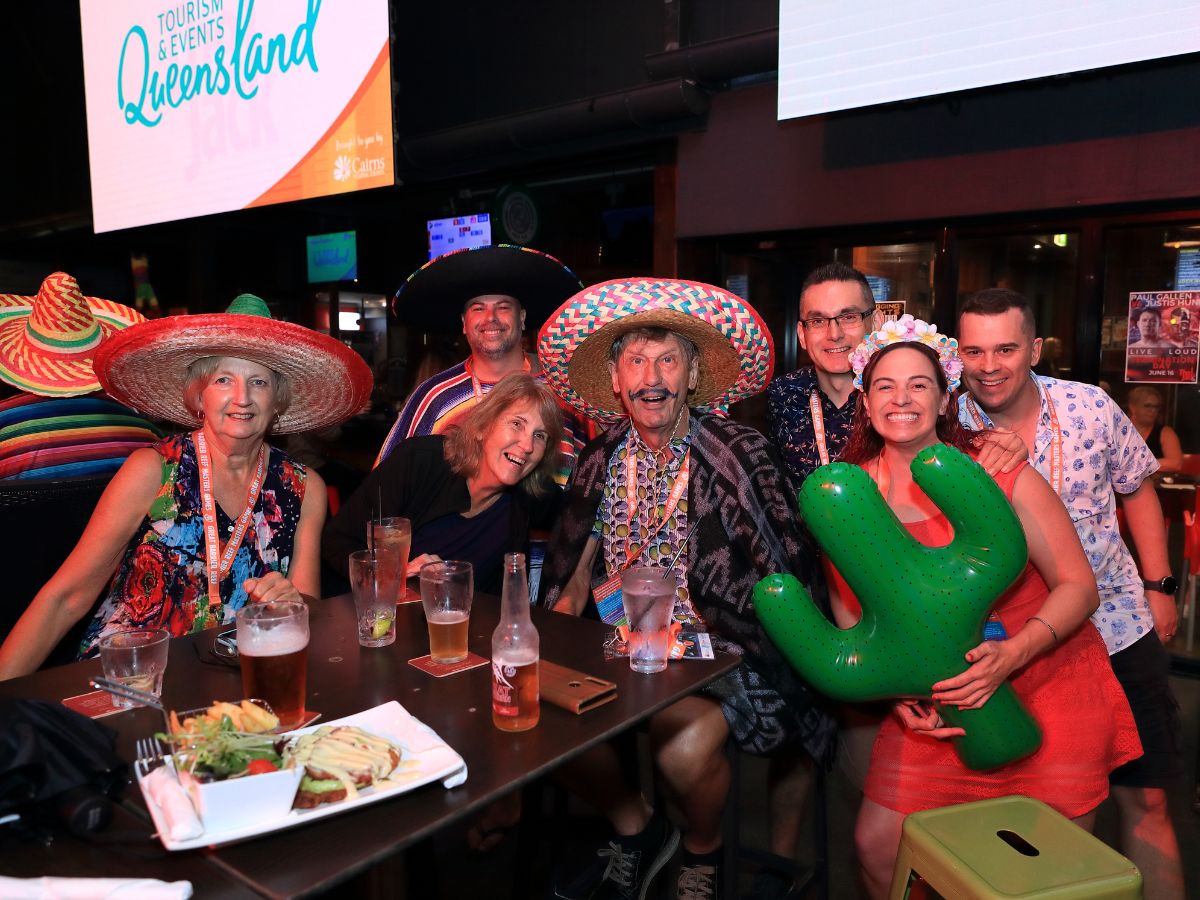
(273, 649)
(138, 658)
(392, 539)
(446, 591)
(373, 580)
(648, 595)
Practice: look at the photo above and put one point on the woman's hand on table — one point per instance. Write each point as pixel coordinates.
(271, 586)
(416, 562)
(991, 664)
(921, 717)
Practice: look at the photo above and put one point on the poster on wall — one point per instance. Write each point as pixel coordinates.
(1164, 327)
(214, 105)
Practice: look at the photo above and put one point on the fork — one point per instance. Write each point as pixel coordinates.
(150, 755)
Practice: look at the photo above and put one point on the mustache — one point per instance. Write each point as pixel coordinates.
(652, 394)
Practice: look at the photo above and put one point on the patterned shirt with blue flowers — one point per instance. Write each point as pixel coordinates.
(1102, 456)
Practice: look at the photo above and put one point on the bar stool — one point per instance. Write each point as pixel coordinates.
(1008, 847)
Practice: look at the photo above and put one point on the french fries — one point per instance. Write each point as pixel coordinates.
(245, 716)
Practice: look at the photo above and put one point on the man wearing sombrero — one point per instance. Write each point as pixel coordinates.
(658, 357)
(61, 425)
(495, 291)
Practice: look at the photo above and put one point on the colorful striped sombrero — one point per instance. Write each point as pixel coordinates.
(737, 354)
(432, 298)
(47, 341)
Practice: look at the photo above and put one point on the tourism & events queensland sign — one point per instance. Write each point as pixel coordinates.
(202, 106)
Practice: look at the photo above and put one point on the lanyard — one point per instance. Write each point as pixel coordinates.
(1056, 455)
(818, 422)
(681, 481)
(212, 540)
(477, 385)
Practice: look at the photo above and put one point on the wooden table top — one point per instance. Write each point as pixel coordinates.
(344, 679)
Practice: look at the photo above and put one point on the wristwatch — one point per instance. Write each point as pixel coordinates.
(1166, 585)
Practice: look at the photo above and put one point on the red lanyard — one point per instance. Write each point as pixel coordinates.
(681, 481)
(1056, 455)
(212, 540)
(818, 422)
(477, 385)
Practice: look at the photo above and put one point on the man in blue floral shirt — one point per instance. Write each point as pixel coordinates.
(809, 411)
(1090, 452)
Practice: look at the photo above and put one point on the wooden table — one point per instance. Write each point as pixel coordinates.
(344, 679)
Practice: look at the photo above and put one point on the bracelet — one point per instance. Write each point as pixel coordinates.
(1053, 633)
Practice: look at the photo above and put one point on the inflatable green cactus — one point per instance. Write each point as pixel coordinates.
(923, 607)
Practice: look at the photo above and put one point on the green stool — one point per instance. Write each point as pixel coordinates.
(1008, 847)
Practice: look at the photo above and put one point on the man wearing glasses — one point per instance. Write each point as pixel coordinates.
(809, 412)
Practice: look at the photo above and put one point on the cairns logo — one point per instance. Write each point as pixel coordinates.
(346, 168)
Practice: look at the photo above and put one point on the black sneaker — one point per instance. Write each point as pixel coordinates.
(698, 877)
(625, 868)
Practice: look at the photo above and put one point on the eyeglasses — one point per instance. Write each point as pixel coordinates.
(844, 320)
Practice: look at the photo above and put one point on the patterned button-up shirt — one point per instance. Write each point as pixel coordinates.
(620, 537)
(790, 423)
(1102, 456)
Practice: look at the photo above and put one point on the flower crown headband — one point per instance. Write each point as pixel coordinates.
(906, 329)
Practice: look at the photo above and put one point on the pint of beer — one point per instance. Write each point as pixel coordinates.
(446, 591)
(273, 649)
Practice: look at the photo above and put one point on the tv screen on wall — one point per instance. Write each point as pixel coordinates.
(835, 55)
(332, 257)
(209, 106)
(458, 233)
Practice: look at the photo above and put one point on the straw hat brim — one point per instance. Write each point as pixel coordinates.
(433, 297)
(145, 367)
(736, 350)
(26, 366)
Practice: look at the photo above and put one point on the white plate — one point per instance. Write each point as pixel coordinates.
(436, 761)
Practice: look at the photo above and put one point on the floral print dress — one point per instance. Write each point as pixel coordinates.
(162, 581)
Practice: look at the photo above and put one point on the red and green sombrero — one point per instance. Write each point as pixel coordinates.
(146, 367)
(737, 354)
(47, 342)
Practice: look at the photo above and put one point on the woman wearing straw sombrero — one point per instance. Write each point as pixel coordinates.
(208, 520)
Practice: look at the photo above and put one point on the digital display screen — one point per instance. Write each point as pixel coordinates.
(458, 232)
(209, 106)
(332, 257)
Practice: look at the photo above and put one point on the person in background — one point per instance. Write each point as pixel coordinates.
(204, 522)
(1145, 410)
(652, 359)
(61, 425)
(495, 288)
(1091, 454)
(1052, 654)
(468, 491)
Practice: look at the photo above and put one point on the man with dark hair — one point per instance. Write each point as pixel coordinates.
(1090, 452)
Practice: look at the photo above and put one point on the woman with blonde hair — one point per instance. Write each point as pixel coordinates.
(1145, 411)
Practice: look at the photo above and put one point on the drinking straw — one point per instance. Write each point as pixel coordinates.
(683, 546)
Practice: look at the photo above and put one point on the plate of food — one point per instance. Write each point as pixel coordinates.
(268, 782)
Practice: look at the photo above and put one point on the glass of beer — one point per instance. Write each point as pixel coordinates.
(392, 539)
(446, 591)
(273, 649)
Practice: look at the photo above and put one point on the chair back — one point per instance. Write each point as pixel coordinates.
(42, 520)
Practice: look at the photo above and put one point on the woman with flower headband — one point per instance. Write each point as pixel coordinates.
(1055, 659)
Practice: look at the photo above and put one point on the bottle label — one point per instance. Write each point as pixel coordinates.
(504, 693)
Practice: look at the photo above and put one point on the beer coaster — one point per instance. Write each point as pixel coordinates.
(94, 704)
(441, 670)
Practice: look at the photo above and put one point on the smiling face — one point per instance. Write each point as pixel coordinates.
(997, 353)
(653, 379)
(239, 400)
(830, 347)
(513, 446)
(493, 324)
(904, 398)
